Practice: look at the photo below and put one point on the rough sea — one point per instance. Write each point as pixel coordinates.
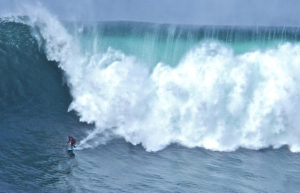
(154, 107)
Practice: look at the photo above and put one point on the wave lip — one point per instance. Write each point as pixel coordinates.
(213, 98)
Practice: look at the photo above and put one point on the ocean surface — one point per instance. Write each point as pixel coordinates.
(154, 107)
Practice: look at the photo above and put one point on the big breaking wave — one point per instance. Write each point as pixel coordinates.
(212, 99)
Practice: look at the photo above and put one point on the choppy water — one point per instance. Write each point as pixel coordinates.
(155, 108)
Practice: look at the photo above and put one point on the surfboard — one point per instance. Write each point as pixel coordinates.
(71, 153)
(70, 150)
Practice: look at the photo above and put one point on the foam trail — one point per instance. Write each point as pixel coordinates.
(212, 98)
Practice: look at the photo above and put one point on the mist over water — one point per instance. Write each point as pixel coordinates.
(196, 12)
(210, 88)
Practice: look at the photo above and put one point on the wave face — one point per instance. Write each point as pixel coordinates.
(219, 88)
(28, 78)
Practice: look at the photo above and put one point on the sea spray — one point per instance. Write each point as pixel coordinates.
(213, 98)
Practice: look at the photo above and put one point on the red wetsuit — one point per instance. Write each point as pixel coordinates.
(73, 141)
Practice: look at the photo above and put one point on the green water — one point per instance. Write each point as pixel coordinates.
(152, 43)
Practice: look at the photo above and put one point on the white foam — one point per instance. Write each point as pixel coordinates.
(212, 99)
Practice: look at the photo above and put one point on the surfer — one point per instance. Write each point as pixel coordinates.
(71, 141)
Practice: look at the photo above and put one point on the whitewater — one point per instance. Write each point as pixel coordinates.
(154, 107)
(212, 97)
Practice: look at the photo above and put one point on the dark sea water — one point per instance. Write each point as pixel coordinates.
(154, 108)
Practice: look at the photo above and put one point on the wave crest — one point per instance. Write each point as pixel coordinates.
(212, 98)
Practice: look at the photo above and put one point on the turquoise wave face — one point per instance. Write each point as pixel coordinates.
(152, 43)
